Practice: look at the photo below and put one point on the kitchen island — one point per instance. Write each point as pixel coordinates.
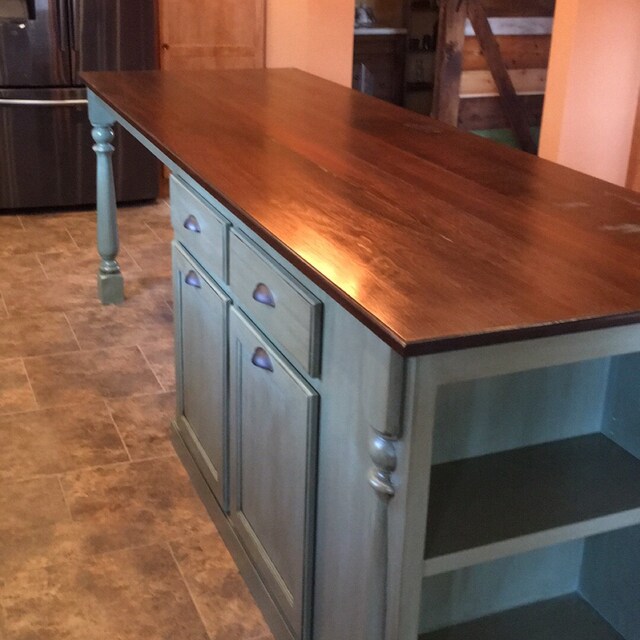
(406, 359)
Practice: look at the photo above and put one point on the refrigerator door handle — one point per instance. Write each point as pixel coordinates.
(43, 103)
(73, 8)
(62, 24)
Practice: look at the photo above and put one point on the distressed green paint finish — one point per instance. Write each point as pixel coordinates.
(110, 281)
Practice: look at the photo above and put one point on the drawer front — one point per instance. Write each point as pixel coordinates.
(199, 228)
(273, 426)
(280, 306)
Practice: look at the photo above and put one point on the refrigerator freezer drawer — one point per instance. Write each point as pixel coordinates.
(46, 156)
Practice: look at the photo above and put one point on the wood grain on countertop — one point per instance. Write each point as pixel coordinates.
(434, 238)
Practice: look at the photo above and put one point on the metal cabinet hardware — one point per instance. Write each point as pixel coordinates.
(261, 359)
(263, 295)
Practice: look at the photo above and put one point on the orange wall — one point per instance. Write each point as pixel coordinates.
(592, 86)
(313, 35)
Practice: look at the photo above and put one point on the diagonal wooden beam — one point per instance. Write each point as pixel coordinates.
(513, 107)
(446, 91)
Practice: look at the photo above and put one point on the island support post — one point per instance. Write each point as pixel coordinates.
(110, 281)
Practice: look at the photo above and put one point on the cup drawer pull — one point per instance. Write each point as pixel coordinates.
(261, 359)
(263, 295)
(192, 224)
(192, 280)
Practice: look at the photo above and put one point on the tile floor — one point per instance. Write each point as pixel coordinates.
(101, 534)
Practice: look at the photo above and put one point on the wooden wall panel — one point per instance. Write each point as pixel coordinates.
(218, 34)
(520, 8)
(518, 52)
(481, 83)
(487, 113)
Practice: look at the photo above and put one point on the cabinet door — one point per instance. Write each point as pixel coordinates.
(273, 462)
(201, 311)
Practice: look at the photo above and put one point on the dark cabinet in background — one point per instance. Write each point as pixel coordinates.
(378, 65)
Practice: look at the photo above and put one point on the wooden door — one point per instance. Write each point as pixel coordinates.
(273, 430)
(216, 34)
(201, 344)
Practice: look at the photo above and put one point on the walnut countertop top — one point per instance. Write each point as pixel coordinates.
(433, 238)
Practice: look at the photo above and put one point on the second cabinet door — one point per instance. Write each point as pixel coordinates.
(201, 315)
(273, 432)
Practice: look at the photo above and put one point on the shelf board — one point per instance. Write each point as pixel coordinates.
(497, 505)
(564, 618)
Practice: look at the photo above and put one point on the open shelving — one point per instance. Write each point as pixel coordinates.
(568, 617)
(533, 526)
(521, 499)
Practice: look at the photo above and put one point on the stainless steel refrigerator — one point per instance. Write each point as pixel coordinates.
(46, 158)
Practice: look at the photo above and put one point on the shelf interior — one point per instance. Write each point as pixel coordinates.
(488, 499)
(567, 617)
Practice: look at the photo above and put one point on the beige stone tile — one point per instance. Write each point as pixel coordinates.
(21, 241)
(157, 217)
(161, 357)
(81, 263)
(36, 335)
(223, 600)
(88, 375)
(60, 220)
(51, 441)
(15, 391)
(153, 258)
(140, 502)
(31, 503)
(132, 594)
(132, 230)
(144, 422)
(137, 320)
(21, 268)
(55, 295)
(10, 223)
(158, 287)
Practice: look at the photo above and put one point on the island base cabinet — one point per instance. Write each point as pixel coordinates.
(201, 315)
(273, 431)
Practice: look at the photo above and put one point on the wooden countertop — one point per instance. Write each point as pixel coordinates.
(433, 238)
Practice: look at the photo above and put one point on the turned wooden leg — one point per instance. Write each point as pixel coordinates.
(110, 281)
(383, 456)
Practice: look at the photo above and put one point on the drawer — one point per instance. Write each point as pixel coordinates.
(289, 314)
(199, 228)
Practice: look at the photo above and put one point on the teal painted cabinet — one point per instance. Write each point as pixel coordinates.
(201, 311)
(273, 432)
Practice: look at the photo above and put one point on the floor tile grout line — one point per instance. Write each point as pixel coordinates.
(64, 497)
(4, 305)
(95, 467)
(73, 240)
(73, 332)
(78, 404)
(96, 399)
(26, 373)
(188, 588)
(46, 275)
(115, 426)
(155, 375)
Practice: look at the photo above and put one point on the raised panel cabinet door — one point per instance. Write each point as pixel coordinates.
(274, 415)
(217, 34)
(201, 348)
